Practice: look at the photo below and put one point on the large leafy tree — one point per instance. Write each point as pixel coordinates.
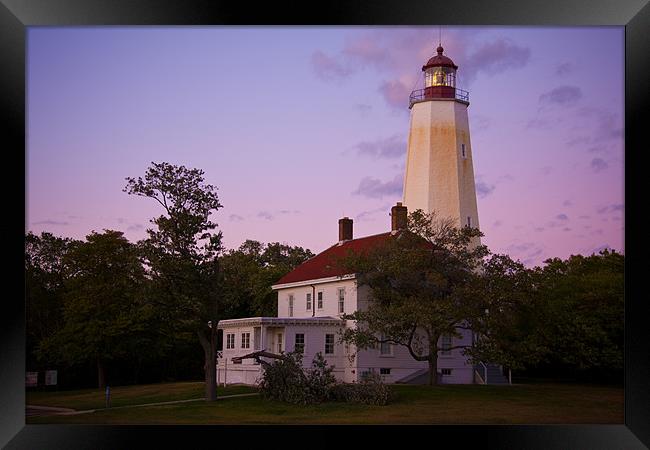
(582, 306)
(250, 271)
(181, 254)
(45, 273)
(419, 287)
(102, 311)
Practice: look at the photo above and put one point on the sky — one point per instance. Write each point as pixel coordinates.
(300, 126)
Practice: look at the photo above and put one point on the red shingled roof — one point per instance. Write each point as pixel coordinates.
(323, 265)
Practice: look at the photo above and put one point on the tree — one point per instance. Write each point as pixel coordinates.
(419, 287)
(45, 273)
(581, 310)
(182, 255)
(101, 308)
(250, 271)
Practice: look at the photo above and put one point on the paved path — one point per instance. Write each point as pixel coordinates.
(36, 410)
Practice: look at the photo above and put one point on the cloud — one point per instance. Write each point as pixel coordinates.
(567, 203)
(50, 222)
(235, 218)
(483, 189)
(396, 93)
(539, 229)
(563, 95)
(367, 216)
(289, 211)
(497, 223)
(495, 57)
(564, 68)
(546, 170)
(562, 217)
(135, 227)
(391, 147)
(598, 164)
(615, 207)
(374, 188)
(363, 109)
(329, 68)
(265, 215)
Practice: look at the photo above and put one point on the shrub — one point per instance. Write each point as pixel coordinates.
(370, 391)
(285, 380)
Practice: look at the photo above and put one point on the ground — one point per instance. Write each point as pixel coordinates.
(467, 404)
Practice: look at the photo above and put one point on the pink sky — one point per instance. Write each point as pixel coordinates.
(298, 126)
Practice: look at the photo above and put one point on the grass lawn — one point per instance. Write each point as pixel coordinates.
(469, 404)
(127, 395)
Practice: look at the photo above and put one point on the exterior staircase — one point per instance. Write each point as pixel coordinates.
(494, 374)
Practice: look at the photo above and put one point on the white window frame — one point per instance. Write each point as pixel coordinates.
(245, 340)
(290, 305)
(326, 343)
(296, 344)
(444, 349)
(308, 301)
(230, 341)
(320, 296)
(442, 372)
(278, 344)
(341, 300)
(385, 369)
(381, 348)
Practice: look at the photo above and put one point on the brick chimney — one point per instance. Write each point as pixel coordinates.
(398, 217)
(345, 229)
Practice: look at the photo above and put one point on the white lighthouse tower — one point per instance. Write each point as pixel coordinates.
(439, 174)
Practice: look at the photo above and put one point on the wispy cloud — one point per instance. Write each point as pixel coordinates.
(616, 207)
(51, 222)
(367, 216)
(391, 147)
(562, 217)
(329, 68)
(598, 164)
(564, 69)
(563, 95)
(483, 189)
(235, 218)
(265, 215)
(135, 227)
(374, 188)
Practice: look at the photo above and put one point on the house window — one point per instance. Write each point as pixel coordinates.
(462, 150)
(320, 300)
(446, 345)
(341, 300)
(230, 341)
(309, 302)
(445, 371)
(329, 344)
(291, 306)
(245, 340)
(384, 371)
(279, 337)
(385, 348)
(257, 334)
(300, 343)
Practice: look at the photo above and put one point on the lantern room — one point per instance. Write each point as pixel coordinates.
(439, 81)
(440, 71)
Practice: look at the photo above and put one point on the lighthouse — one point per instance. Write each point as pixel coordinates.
(439, 171)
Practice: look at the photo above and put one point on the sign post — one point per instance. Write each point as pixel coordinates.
(31, 379)
(50, 377)
(108, 396)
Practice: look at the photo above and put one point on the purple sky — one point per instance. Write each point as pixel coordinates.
(299, 126)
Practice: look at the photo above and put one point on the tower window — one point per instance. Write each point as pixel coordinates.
(469, 221)
(462, 150)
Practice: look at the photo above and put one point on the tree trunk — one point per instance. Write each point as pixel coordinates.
(101, 373)
(433, 369)
(209, 344)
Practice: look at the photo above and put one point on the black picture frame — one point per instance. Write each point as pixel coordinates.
(17, 15)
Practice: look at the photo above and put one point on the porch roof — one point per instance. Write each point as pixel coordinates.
(279, 321)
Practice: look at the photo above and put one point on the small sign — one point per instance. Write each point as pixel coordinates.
(50, 377)
(31, 379)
